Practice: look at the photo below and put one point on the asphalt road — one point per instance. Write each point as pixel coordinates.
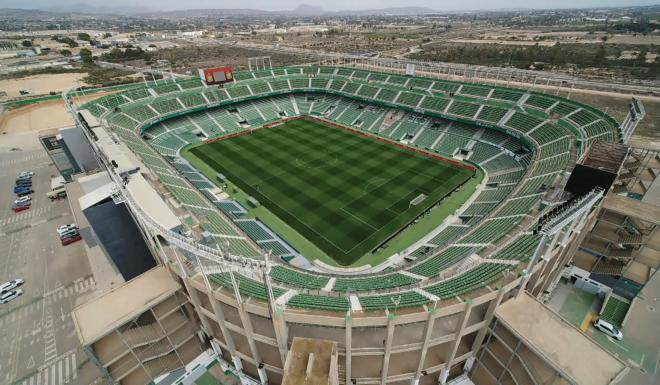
(37, 334)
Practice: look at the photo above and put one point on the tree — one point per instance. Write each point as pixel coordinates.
(84, 36)
(642, 55)
(600, 55)
(27, 43)
(86, 56)
(65, 52)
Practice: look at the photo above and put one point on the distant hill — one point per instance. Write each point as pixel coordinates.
(45, 9)
(96, 9)
(301, 10)
(392, 11)
(310, 10)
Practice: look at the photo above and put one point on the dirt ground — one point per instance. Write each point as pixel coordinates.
(19, 127)
(617, 106)
(41, 84)
(505, 42)
(36, 117)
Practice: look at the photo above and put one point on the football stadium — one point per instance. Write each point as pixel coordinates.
(395, 215)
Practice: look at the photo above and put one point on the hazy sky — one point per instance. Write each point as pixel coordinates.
(447, 5)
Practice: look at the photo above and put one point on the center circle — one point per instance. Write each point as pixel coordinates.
(316, 159)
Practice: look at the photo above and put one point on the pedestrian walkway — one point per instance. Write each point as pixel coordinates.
(61, 371)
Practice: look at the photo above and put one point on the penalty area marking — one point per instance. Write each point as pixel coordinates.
(375, 182)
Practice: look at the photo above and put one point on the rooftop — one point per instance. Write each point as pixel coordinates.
(568, 350)
(152, 203)
(97, 317)
(606, 156)
(633, 208)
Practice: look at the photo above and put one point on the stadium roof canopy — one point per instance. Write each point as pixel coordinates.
(152, 203)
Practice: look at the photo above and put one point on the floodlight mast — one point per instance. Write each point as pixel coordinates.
(636, 113)
(573, 215)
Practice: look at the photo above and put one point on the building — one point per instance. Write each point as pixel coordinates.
(152, 329)
(253, 311)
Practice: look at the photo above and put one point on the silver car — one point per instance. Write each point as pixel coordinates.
(11, 285)
(66, 228)
(10, 295)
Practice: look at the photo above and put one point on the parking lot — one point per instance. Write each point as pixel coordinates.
(37, 334)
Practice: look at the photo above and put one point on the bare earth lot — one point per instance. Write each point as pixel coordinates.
(41, 84)
(19, 127)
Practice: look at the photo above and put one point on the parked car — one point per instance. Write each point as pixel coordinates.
(11, 285)
(68, 233)
(608, 329)
(23, 199)
(64, 228)
(27, 173)
(23, 186)
(19, 208)
(6, 297)
(20, 182)
(22, 178)
(22, 203)
(23, 192)
(70, 240)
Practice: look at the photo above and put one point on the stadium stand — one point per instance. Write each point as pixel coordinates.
(417, 109)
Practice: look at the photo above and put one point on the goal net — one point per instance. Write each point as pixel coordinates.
(418, 199)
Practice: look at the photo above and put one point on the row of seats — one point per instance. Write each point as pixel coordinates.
(481, 151)
(458, 107)
(373, 283)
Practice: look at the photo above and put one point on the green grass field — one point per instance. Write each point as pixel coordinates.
(344, 192)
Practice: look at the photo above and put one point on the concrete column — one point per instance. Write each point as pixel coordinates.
(197, 304)
(229, 340)
(247, 327)
(478, 341)
(349, 338)
(569, 230)
(428, 331)
(281, 333)
(527, 273)
(565, 255)
(547, 255)
(457, 339)
(388, 347)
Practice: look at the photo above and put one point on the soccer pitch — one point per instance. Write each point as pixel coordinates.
(344, 192)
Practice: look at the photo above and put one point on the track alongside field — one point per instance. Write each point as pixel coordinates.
(346, 193)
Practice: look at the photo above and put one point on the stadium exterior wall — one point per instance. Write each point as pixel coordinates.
(413, 346)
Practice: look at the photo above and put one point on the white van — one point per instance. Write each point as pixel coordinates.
(608, 329)
(57, 193)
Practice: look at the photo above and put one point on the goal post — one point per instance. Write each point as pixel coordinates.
(417, 200)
